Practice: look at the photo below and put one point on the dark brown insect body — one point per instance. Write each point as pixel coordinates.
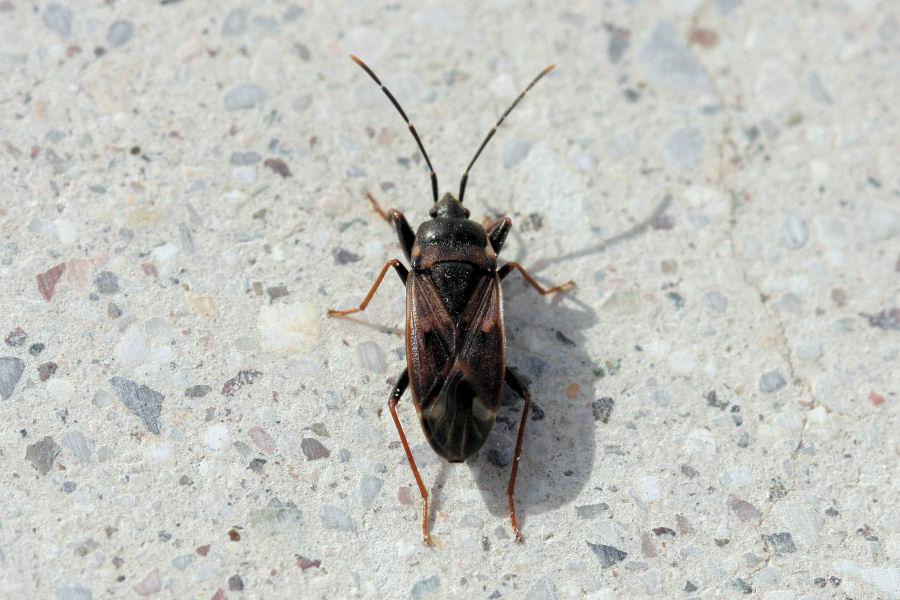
(455, 340)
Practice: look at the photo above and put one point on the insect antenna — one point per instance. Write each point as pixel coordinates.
(465, 177)
(412, 130)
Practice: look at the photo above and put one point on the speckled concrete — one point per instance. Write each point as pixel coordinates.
(182, 199)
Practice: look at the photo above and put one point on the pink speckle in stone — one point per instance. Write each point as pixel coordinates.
(149, 584)
(149, 269)
(262, 440)
(78, 274)
(47, 280)
(404, 496)
(876, 399)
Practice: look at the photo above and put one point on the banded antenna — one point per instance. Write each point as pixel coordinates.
(465, 177)
(412, 130)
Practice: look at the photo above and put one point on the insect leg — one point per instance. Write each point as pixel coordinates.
(497, 233)
(394, 216)
(516, 385)
(399, 388)
(505, 269)
(401, 271)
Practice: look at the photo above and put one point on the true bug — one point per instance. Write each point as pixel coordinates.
(455, 339)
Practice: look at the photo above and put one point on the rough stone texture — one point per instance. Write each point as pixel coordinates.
(183, 199)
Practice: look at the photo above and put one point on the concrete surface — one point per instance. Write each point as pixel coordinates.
(181, 200)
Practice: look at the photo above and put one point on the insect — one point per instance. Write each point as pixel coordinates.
(455, 339)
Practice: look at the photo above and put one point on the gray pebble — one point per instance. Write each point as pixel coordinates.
(780, 542)
(58, 18)
(101, 398)
(293, 12)
(514, 152)
(355, 171)
(881, 223)
(716, 301)
(367, 434)
(181, 562)
(771, 382)
(335, 518)
(158, 328)
(235, 22)
(266, 24)
(844, 325)
(41, 227)
(585, 162)
(424, 587)
(835, 232)
(682, 148)
(243, 159)
(591, 511)
(10, 371)
(72, 591)
(618, 42)
(368, 489)
(607, 555)
(817, 91)
(544, 589)
(206, 571)
(652, 581)
(794, 233)
(277, 517)
(791, 303)
(77, 444)
(197, 391)
(244, 95)
(55, 135)
(809, 352)
(107, 282)
(661, 397)
(668, 61)
(184, 235)
(765, 576)
(42, 453)
(371, 356)
(726, 6)
(144, 402)
(119, 33)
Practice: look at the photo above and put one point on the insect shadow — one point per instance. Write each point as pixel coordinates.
(559, 455)
(547, 349)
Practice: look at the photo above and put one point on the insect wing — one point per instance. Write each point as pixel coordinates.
(481, 354)
(430, 338)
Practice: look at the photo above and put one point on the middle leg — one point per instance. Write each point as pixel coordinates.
(505, 270)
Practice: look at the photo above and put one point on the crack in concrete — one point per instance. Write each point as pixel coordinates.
(726, 170)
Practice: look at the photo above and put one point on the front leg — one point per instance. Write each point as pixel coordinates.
(404, 231)
(401, 271)
(497, 233)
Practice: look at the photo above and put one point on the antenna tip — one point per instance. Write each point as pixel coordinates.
(548, 69)
(354, 59)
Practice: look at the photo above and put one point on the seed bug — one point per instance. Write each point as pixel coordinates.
(455, 338)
